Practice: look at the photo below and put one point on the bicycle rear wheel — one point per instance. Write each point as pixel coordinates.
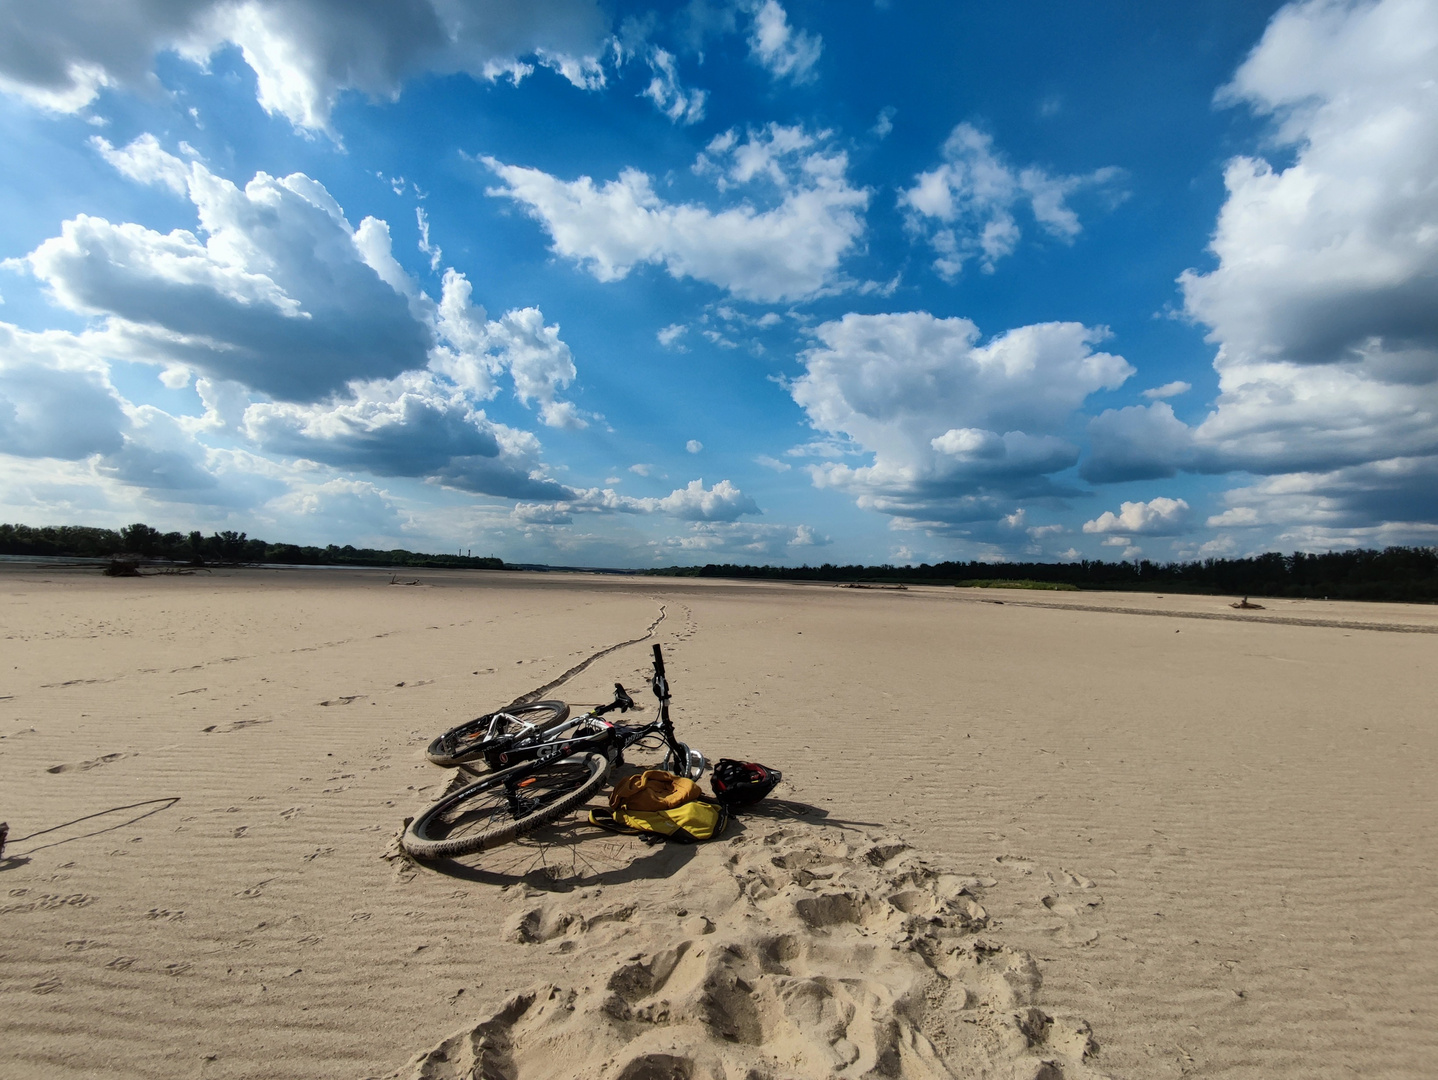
(467, 743)
(503, 806)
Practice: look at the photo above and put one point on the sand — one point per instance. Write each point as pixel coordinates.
(1062, 835)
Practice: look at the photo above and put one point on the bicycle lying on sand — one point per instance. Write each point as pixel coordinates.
(542, 765)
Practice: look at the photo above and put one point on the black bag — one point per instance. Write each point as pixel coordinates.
(742, 783)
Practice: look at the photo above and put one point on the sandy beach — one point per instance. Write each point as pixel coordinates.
(1020, 834)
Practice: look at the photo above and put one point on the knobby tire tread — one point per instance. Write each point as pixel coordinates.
(421, 847)
(441, 752)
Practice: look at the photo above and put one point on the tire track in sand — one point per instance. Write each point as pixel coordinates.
(539, 692)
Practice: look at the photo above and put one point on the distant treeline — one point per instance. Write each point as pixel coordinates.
(222, 547)
(1395, 573)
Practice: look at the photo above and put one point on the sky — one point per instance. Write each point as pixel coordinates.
(630, 284)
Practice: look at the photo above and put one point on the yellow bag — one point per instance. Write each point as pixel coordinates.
(688, 824)
(652, 789)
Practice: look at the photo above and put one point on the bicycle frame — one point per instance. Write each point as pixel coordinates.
(597, 735)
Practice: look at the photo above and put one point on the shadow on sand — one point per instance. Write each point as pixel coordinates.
(574, 854)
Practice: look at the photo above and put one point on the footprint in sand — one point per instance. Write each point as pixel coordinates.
(122, 963)
(1071, 897)
(348, 700)
(49, 902)
(86, 766)
(165, 913)
(258, 889)
(807, 955)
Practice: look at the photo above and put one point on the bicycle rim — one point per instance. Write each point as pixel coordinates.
(504, 805)
(466, 744)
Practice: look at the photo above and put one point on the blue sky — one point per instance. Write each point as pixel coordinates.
(626, 284)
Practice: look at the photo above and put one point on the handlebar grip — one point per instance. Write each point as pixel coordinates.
(658, 661)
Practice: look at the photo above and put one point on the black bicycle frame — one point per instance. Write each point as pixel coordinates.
(620, 736)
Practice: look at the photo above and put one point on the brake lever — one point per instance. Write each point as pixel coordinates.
(622, 698)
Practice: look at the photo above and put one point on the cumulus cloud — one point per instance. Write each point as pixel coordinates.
(693, 502)
(304, 53)
(309, 340)
(788, 251)
(1386, 502)
(787, 53)
(342, 505)
(413, 425)
(145, 161)
(1324, 302)
(965, 206)
(1157, 517)
(694, 446)
(749, 541)
(956, 428)
(55, 401)
(475, 350)
(278, 295)
(1140, 442)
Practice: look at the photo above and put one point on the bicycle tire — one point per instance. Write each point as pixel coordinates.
(466, 743)
(483, 814)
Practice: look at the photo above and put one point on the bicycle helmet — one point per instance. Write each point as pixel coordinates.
(742, 783)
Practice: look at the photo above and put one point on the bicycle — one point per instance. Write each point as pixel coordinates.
(478, 743)
(546, 772)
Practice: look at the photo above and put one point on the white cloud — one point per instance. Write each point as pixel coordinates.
(1387, 502)
(1168, 390)
(304, 53)
(1157, 517)
(965, 206)
(669, 96)
(642, 469)
(436, 256)
(280, 295)
(790, 250)
(1324, 303)
(722, 502)
(55, 401)
(670, 335)
(309, 340)
(413, 425)
(784, 51)
(772, 463)
(693, 502)
(744, 540)
(1140, 442)
(694, 446)
(144, 160)
(342, 506)
(885, 123)
(954, 427)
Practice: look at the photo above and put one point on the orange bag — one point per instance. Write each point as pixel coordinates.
(653, 789)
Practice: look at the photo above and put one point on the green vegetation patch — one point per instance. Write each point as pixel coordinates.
(996, 583)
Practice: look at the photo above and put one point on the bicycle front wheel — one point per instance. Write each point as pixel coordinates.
(503, 806)
(467, 743)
